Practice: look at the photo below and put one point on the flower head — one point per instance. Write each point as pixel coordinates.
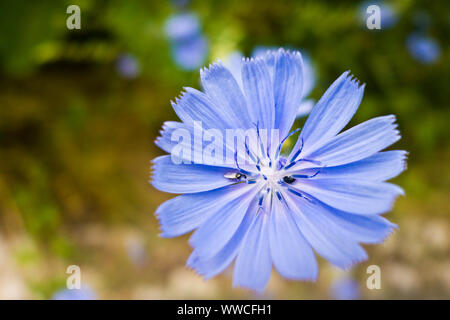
(259, 206)
(85, 293)
(388, 14)
(189, 47)
(191, 54)
(182, 26)
(423, 48)
(127, 66)
(345, 288)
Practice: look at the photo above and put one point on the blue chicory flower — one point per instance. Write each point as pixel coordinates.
(326, 195)
(345, 289)
(127, 66)
(182, 26)
(188, 46)
(388, 14)
(137, 252)
(190, 55)
(423, 48)
(84, 293)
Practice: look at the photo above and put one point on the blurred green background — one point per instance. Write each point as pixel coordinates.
(76, 140)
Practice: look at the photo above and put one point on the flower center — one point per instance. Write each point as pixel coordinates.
(273, 174)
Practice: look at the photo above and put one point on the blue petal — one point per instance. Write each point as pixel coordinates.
(323, 237)
(379, 167)
(220, 227)
(291, 253)
(223, 89)
(195, 150)
(287, 89)
(187, 178)
(258, 90)
(358, 142)
(233, 63)
(269, 56)
(355, 196)
(253, 264)
(215, 265)
(164, 141)
(194, 105)
(333, 111)
(364, 229)
(184, 213)
(192, 152)
(354, 227)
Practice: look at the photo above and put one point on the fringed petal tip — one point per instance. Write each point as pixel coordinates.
(279, 51)
(388, 233)
(351, 79)
(163, 234)
(163, 231)
(211, 68)
(353, 263)
(405, 160)
(191, 264)
(303, 279)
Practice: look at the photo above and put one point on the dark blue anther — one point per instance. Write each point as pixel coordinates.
(279, 195)
(306, 176)
(298, 152)
(295, 192)
(290, 165)
(260, 201)
(298, 194)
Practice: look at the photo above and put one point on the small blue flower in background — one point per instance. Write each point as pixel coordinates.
(192, 54)
(388, 14)
(345, 288)
(85, 293)
(137, 252)
(188, 46)
(326, 196)
(127, 66)
(182, 26)
(423, 48)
